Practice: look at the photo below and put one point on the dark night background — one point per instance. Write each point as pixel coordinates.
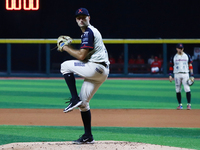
(135, 19)
(114, 18)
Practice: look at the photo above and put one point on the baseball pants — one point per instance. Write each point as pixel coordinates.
(94, 75)
(181, 78)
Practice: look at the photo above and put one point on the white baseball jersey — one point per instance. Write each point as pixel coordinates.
(180, 63)
(92, 71)
(92, 39)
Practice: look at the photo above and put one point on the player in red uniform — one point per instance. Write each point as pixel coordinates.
(156, 65)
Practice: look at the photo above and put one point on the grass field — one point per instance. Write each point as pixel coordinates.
(113, 94)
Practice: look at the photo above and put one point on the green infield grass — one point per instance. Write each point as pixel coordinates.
(113, 94)
(176, 137)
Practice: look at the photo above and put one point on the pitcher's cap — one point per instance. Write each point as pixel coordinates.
(82, 11)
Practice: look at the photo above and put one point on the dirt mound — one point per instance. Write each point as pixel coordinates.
(98, 145)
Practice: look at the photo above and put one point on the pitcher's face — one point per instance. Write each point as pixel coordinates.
(83, 20)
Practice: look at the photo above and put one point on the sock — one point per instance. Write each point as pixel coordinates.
(188, 95)
(178, 96)
(71, 82)
(86, 117)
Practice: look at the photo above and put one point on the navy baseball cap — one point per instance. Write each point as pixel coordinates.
(179, 45)
(82, 11)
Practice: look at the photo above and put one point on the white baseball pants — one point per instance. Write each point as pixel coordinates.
(181, 78)
(94, 75)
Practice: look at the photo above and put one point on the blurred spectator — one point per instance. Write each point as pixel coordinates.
(198, 57)
(120, 62)
(156, 65)
(131, 63)
(120, 59)
(160, 59)
(131, 60)
(150, 60)
(112, 59)
(139, 60)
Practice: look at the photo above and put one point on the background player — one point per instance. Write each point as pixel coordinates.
(92, 65)
(180, 65)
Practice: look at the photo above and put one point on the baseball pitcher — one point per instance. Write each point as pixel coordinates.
(92, 64)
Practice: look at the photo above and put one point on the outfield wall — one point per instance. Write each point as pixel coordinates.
(35, 57)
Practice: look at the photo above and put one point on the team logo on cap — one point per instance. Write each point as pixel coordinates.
(181, 45)
(80, 11)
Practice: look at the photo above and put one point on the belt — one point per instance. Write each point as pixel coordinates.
(182, 72)
(102, 63)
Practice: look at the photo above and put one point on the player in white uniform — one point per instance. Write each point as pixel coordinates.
(180, 65)
(92, 65)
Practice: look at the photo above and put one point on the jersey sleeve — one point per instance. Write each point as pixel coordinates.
(87, 39)
(189, 59)
(171, 64)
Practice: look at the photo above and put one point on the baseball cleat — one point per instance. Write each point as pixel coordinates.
(84, 140)
(73, 103)
(188, 107)
(179, 107)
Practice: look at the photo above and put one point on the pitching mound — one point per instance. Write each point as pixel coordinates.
(99, 145)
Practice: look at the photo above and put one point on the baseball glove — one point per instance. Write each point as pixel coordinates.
(62, 41)
(190, 81)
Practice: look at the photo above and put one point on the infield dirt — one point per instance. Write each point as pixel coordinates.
(103, 117)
